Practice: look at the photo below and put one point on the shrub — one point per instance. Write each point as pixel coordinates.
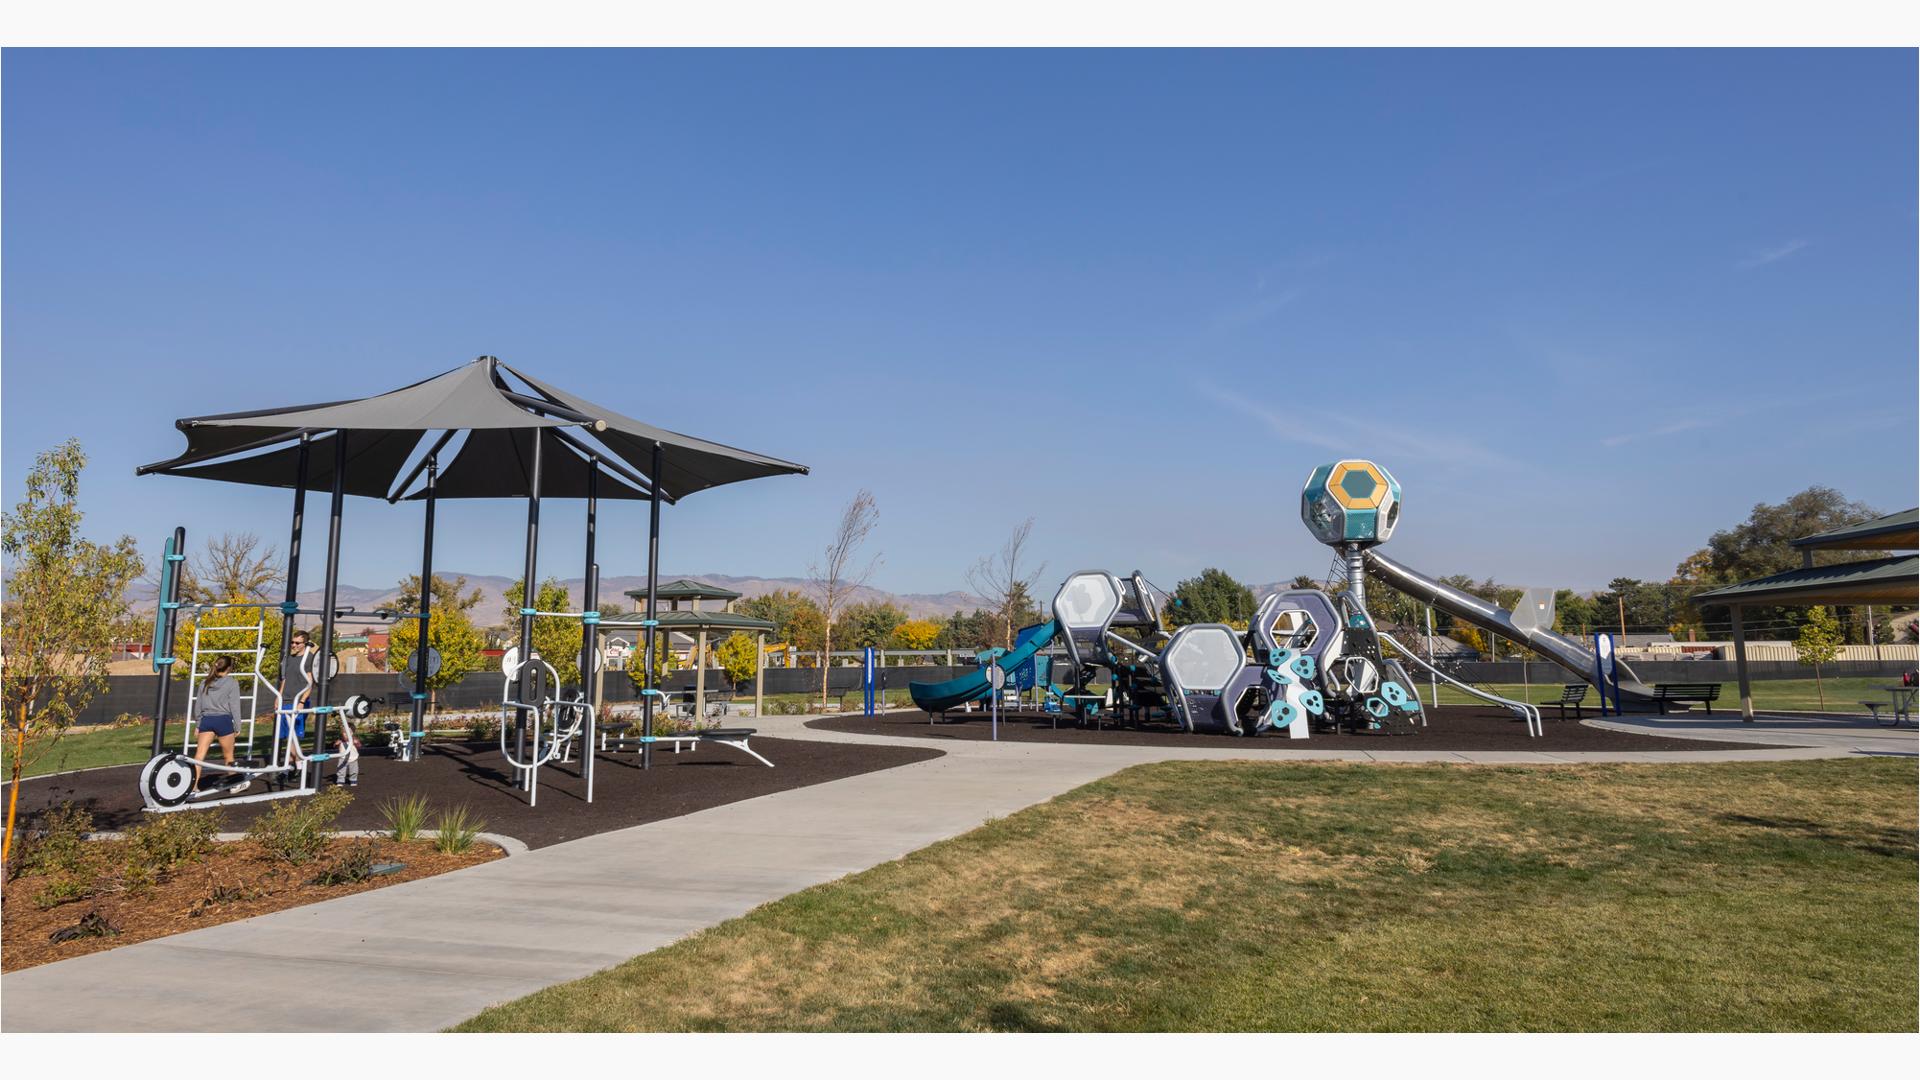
(484, 729)
(161, 842)
(353, 864)
(456, 830)
(67, 886)
(406, 817)
(296, 831)
(59, 845)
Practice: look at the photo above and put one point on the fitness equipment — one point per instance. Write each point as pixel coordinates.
(167, 779)
(559, 722)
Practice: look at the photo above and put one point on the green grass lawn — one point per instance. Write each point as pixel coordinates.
(1258, 896)
(1783, 695)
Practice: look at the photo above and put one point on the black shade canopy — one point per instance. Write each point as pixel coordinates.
(383, 432)
(687, 464)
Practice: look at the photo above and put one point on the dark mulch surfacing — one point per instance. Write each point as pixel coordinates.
(1450, 727)
(475, 774)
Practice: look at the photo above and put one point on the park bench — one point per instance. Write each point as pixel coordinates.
(1573, 694)
(1706, 694)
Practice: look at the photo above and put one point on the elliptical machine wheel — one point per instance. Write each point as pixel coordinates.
(167, 779)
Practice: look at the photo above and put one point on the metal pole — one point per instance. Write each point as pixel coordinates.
(416, 731)
(167, 615)
(529, 593)
(331, 593)
(759, 674)
(1433, 680)
(652, 621)
(1356, 575)
(293, 582)
(590, 627)
(1740, 665)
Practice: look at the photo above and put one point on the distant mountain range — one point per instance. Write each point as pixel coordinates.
(612, 590)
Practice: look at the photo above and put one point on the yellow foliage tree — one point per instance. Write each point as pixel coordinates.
(916, 634)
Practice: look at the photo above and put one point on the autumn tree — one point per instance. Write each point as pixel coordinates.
(795, 617)
(449, 594)
(869, 622)
(839, 573)
(1818, 643)
(916, 634)
(64, 598)
(736, 656)
(1004, 579)
(450, 632)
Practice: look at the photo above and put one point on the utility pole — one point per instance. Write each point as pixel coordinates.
(1622, 601)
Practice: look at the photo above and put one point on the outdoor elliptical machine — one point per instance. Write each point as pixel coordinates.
(559, 723)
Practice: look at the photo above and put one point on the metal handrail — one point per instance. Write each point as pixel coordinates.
(1528, 711)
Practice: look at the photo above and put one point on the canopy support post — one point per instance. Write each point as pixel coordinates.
(417, 729)
(168, 617)
(759, 674)
(590, 627)
(1740, 665)
(293, 582)
(529, 596)
(653, 608)
(700, 674)
(331, 592)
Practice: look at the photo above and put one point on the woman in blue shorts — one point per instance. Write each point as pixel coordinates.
(215, 710)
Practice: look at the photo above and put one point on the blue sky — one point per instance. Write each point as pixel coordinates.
(1587, 306)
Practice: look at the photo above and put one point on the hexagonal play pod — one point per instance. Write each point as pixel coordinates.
(1204, 657)
(1350, 501)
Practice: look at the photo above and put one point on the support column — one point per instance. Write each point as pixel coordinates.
(1740, 665)
(293, 580)
(699, 672)
(590, 627)
(330, 595)
(1356, 575)
(166, 615)
(759, 674)
(529, 592)
(416, 730)
(652, 621)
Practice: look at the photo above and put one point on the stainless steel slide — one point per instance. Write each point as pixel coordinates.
(1559, 648)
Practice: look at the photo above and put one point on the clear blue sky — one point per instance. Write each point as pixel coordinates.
(1587, 306)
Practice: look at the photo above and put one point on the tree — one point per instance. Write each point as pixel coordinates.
(838, 574)
(451, 632)
(556, 640)
(795, 617)
(211, 637)
(916, 634)
(975, 631)
(1213, 597)
(1761, 545)
(1302, 581)
(449, 594)
(736, 656)
(1818, 643)
(1005, 581)
(664, 661)
(228, 571)
(870, 622)
(63, 602)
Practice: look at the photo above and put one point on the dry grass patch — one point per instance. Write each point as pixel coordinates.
(1305, 896)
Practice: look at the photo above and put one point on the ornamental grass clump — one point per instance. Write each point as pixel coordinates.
(297, 831)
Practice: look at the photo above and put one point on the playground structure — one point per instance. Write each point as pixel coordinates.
(1307, 661)
(527, 440)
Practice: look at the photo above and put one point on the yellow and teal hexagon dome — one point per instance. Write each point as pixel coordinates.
(1350, 501)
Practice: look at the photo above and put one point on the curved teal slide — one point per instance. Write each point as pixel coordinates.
(941, 696)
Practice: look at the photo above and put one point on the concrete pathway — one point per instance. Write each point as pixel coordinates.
(427, 954)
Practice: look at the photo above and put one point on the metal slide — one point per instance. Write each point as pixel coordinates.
(941, 696)
(1559, 648)
(1526, 711)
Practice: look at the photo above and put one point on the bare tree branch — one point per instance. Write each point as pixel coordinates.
(228, 571)
(835, 576)
(1001, 580)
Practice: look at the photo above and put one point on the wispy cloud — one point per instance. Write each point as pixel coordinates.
(1674, 428)
(1349, 435)
(1771, 255)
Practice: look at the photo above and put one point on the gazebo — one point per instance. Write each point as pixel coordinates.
(699, 624)
(1890, 579)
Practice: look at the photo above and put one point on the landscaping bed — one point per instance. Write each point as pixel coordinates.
(69, 895)
(1450, 727)
(475, 775)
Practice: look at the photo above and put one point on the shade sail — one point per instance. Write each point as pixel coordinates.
(499, 464)
(374, 459)
(493, 462)
(688, 464)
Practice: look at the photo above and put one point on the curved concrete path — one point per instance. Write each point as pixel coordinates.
(424, 955)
